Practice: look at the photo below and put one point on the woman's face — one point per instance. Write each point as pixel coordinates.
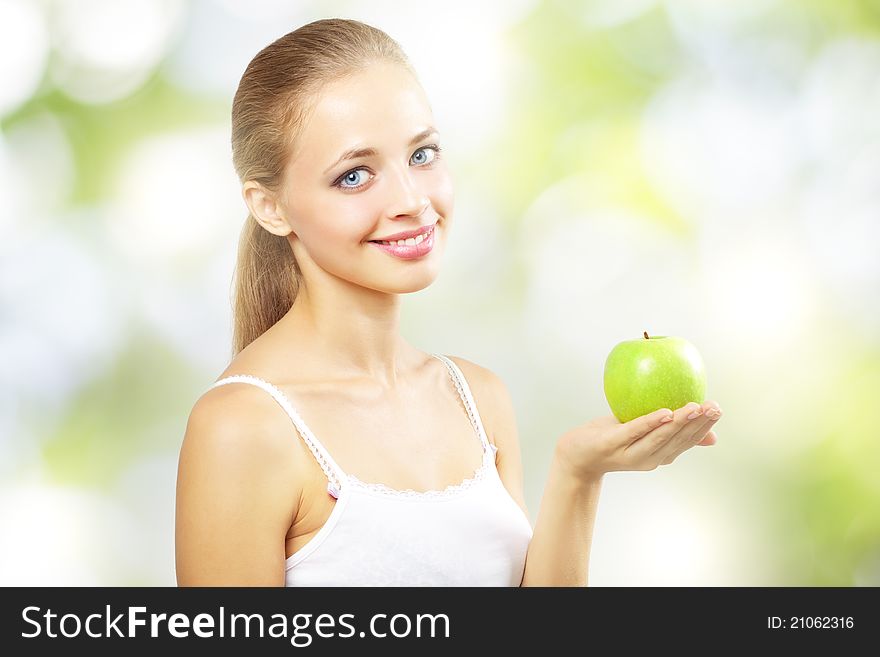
(336, 208)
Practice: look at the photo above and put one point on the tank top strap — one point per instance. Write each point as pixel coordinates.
(467, 399)
(334, 473)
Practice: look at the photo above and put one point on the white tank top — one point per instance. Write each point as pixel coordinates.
(469, 534)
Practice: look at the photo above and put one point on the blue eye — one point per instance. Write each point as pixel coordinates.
(434, 150)
(349, 179)
(352, 177)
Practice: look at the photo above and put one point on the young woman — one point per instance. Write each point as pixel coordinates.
(331, 451)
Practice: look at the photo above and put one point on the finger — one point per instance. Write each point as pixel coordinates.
(648, 444)
(698, 419)
(709, 439)
(692, 433)
(637, 428)
(672, 433)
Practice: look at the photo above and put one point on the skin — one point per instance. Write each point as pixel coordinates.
(249, 492)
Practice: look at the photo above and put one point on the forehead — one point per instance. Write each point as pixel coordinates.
(383, 103)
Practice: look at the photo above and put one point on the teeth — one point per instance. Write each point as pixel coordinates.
(412, 241)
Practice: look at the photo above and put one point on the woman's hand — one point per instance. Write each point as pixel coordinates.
(606, 445)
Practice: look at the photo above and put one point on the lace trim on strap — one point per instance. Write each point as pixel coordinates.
(334, 473)
(451, 490)
(468, 401)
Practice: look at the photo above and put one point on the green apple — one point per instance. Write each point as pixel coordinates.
(644, 375)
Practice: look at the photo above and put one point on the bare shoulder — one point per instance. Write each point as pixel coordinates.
(236, 490)
(239, 417)
(499, 420)
(489, 392)
(240, 427)
(478, 372)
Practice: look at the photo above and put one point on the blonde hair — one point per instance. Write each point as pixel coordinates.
(268, 110)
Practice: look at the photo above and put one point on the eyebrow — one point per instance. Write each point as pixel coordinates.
(355, 153)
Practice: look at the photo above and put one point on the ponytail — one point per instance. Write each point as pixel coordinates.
(267, 281)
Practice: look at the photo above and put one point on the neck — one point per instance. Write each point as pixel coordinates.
(352, 339)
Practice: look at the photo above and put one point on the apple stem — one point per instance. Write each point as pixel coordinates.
(646, 335)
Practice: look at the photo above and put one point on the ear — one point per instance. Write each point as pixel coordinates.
(265, 208)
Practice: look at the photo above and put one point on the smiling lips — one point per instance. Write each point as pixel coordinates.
(410, 248)
(407, 234)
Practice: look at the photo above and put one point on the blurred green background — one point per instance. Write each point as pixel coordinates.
(703, 169)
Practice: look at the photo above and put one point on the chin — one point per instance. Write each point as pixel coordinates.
(406, 284)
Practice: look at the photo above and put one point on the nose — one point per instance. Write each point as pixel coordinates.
(406, 198)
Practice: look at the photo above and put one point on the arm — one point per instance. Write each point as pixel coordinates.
(559, 551)
(234, 505)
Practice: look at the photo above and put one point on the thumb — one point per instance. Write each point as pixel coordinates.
(638, 427)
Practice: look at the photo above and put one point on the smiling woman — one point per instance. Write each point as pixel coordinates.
(380, 119)
(355, 99)
(349, 203)
(406, 469)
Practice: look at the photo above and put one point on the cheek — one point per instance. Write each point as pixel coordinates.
(443, 193)
(340, 221)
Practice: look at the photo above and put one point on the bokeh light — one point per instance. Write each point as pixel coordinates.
(703, 169)
(24, 51)
(107, 49)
